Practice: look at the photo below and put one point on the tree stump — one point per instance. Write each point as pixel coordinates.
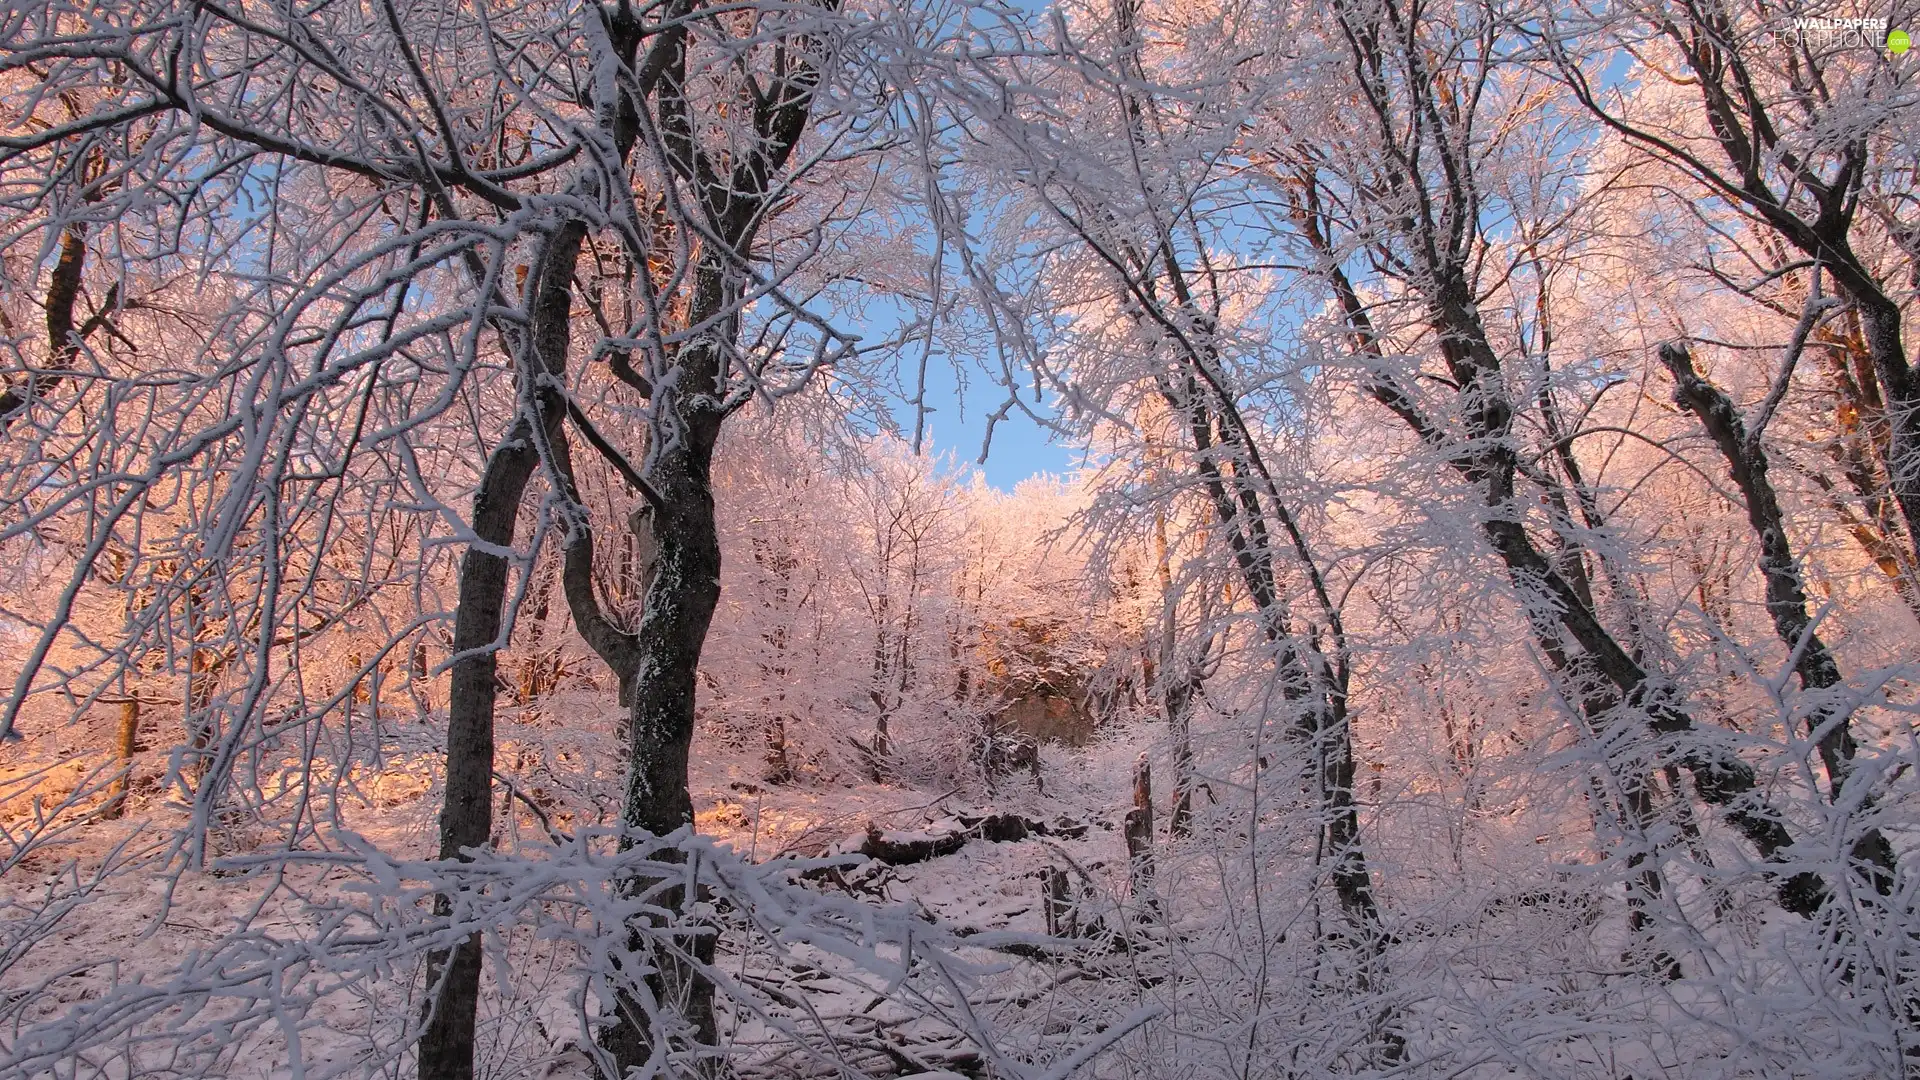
(1138, 830)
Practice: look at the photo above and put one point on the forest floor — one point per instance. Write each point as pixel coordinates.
(65, 955)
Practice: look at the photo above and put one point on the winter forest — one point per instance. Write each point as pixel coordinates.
(489, 587)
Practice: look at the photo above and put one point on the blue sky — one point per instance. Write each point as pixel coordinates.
(958, 421)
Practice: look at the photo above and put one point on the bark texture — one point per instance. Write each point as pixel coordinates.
(466, 817)
(691, 397)
(64, 333)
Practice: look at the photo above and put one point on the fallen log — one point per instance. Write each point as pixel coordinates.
(905, 848)
(898, 849)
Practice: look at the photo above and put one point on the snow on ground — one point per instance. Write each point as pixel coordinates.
(107, 903)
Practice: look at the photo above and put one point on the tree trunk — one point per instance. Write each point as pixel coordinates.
(679, 609)
(417, 686)
(1880, 323)
(466, 819)
(1828, 723)
(1178, 684)
(1605, 676)
(1860, 447)
(1138, 831)
(1310, 681)
(127, 742)
(63, 332)
(881, 746)
(1750, 137)
(689, 404)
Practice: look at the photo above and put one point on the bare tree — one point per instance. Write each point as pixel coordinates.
(1739, 443)
(1422, 121)
(1792, 141)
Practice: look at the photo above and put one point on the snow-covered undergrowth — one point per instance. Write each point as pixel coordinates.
(121, 960)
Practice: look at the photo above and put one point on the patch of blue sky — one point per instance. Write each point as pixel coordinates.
(959, 404)
(951, 387)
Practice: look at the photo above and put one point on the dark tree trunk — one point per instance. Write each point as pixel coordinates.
(1818, 671)
(1310, 681)
(466, 819)
(1604, 676)
(446, 1046)
(1861, 447)
(679, 609)
(1138, 831)
(880, 748)
(1435, 251)
(63, 332)
(1881, 337)
(1751, 139)
(1248, 507)
(1178, 682)
(1177, 699)
(690, 401)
